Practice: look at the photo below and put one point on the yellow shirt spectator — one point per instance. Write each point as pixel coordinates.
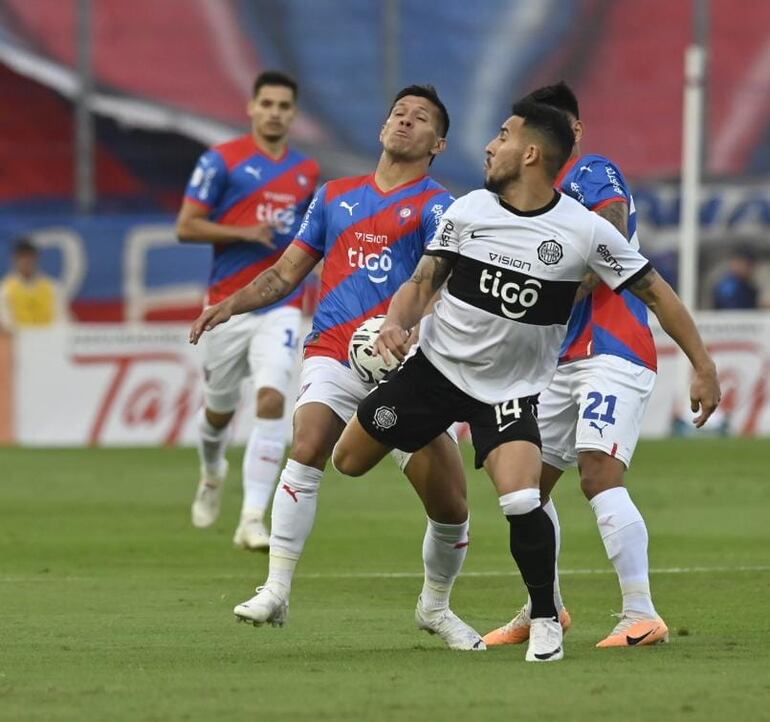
(27, 296)
(28, 302)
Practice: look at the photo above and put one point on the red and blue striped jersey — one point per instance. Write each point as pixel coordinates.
(605, 322)
(242, 186)
(371, 242)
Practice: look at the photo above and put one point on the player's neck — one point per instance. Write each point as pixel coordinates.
(272, 148)
(527, 196)
(391, 173)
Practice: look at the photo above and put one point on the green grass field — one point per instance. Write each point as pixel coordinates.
(112, 607)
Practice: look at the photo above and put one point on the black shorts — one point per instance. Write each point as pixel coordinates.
(418, 403)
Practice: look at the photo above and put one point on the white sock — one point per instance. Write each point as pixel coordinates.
(444, 549)
(624, 534)
(212, 443)
(294, 507)
(261, 464)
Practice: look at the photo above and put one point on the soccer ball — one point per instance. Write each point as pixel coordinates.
(370, 368)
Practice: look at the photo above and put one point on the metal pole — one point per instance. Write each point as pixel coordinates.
(692, 140)
(391, 59)
(85, 191)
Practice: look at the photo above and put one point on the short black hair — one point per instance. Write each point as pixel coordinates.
(558, 96)
(552, 125)
(429, 93)
(274, 77)
(25, 247)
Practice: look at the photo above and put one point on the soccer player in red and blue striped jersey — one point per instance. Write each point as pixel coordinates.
(592, 411)
(246, 197)
(370, 232)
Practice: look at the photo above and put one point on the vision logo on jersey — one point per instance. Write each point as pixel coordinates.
(377, 265)
(550, 252)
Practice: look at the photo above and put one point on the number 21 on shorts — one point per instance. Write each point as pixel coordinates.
(594, 411)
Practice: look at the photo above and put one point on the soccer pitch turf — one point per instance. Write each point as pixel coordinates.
(112, 607)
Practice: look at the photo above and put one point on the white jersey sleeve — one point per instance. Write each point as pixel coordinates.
(446, 240)
(613, 259)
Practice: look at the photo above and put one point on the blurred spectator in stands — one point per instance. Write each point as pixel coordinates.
(737, 288)
(28, 297)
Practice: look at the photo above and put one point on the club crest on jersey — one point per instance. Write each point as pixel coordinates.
(385, 417)
(550, 252)
(405, 212)
(302, 180)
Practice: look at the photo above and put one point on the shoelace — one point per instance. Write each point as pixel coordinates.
(520, 620)
(625, 623)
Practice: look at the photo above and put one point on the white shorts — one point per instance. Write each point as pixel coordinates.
(326, 381)
(261, 346)
(595, 404)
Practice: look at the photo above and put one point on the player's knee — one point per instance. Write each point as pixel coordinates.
(218, 419)
(345, 462)
(599, 472)
(309, 450)
(269, 403)
(518, 503)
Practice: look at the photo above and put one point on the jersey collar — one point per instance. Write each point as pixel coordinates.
(538, 211)
(396, 189)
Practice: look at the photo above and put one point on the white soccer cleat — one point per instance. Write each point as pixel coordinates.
(266, 607)
(455, 633)
(546, 641)
(252, 534)
(208, 497)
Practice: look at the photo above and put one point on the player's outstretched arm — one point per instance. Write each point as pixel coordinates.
(267, 288)
(409, 303)
(678, 323)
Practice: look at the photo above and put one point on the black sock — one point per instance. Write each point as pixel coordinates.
(533, 547)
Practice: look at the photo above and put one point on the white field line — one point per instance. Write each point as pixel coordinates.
(418, 575)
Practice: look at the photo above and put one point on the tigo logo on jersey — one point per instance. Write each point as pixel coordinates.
(550, 252)
(521, 297)
(280, 218)
(377, 266)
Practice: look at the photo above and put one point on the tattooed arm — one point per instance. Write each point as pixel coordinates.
(410, 301)
(678, 323)
(617, 214)
(270, 286)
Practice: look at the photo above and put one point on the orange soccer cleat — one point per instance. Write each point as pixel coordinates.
(636, 631)
(517, 630)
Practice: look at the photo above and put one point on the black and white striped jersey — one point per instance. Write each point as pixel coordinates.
(497, 327)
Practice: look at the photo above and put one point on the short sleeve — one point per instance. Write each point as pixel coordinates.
(208, 180)
(611, 257)
(597, 182)
(311, 235)
(432, 214)
(446, 239)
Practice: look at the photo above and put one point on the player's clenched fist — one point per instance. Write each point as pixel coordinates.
(392, 341)
(210, 317)
(262, 233)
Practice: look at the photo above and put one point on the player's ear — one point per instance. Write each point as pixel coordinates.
(578, 129)
(439, 147)
(532, 154)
